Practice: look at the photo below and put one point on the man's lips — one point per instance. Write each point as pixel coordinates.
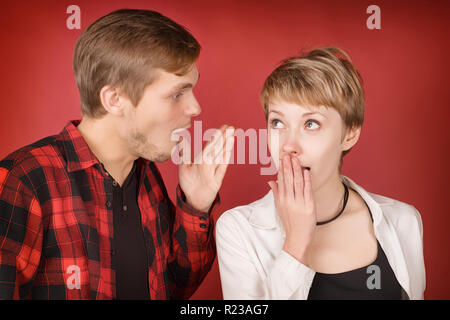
(179, 131)
(182, 128)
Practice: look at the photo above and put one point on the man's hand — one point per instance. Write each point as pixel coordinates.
(201, 180)
(295, 206)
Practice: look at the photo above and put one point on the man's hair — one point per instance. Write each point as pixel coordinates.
(321, 77)
(123, 49)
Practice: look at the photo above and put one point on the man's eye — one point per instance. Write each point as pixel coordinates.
(312, 125)
(177, 95)
(276, 122)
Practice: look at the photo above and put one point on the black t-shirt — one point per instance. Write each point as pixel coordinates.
(376, 281)
(129, 250)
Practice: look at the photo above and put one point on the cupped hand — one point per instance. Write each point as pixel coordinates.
(201, 180)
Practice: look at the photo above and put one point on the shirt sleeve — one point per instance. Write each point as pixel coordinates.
(193, 247)
(193, 219)
(421, 261)
(244, 278)
(20, 236)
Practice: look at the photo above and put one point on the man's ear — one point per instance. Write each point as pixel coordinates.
(350, 138)
(110, 99)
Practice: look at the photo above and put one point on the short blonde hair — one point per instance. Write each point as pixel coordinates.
(321, 77)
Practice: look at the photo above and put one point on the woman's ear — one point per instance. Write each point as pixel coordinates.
(350, 138)
(110, 99)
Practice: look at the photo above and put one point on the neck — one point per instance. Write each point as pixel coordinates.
(107, 146)
(329, 198)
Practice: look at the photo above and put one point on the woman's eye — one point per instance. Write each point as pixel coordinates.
(312, 125)
(276, 122)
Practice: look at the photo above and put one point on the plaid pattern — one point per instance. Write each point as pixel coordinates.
(56, 226)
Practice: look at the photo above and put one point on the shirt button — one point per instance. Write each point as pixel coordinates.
(203, 218)
(113, 252)
(125, 208)
(108, 204)
(202, 225)
(115, 183)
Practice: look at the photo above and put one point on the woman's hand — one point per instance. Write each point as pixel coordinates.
(295, 206)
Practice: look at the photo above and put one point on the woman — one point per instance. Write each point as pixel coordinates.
(317, 234)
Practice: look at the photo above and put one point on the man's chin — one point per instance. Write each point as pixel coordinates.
(156, 154)
(157, 158)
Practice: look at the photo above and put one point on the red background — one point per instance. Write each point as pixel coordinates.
(402, 152)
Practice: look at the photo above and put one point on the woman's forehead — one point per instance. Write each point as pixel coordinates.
(295, 109)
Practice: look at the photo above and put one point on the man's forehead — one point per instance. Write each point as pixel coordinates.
(176, 78)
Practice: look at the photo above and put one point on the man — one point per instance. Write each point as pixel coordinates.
(85, 214)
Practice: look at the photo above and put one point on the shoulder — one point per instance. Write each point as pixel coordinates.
(27, 162)
(397, 212)
(393, 210)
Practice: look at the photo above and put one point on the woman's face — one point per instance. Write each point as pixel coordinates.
(317, 136)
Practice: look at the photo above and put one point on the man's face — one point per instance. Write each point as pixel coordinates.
(166, 105)
(314, 135)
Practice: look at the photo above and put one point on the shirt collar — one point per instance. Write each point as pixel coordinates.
(77, 152)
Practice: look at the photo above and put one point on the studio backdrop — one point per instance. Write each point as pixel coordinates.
(401, 49)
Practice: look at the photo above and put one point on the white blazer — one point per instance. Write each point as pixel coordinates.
(253, 265)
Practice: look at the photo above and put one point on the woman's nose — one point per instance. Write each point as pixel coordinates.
(291, 146)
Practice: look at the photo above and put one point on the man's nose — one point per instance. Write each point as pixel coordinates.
(193, 108)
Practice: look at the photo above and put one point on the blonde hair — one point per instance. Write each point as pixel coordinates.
(321, 77)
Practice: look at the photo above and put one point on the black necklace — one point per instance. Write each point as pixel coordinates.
(340, 212)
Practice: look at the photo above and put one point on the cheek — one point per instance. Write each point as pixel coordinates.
(151, 123)
(140, 128)
(320, 148)
(324, 155)
(274, 141)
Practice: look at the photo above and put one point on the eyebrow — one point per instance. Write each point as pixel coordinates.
(303, 115)
(184, 85)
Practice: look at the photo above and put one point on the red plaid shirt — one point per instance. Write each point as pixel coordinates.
(56, 226)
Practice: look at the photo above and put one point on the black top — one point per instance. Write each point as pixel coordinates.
(129, 251)
(376, 281)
